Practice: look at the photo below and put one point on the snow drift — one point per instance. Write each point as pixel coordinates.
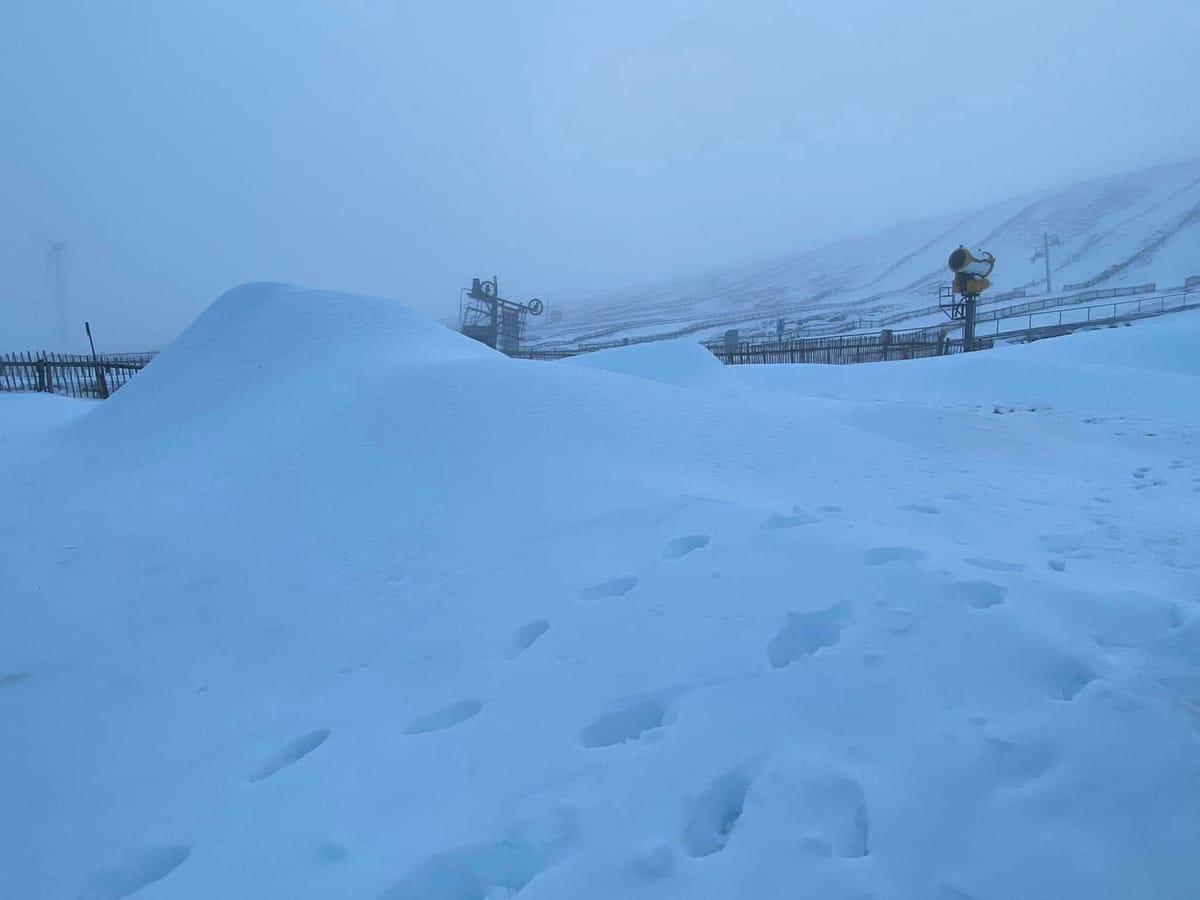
(331, 602)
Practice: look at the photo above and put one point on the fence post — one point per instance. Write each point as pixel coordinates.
(101, 384)
(43, 381)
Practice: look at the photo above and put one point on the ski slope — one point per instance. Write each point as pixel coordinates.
(416, 621)
(1126, 230)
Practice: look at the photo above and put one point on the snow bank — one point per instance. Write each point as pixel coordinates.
(330, 602)
(1166, 344)
(680, 363)
(1149, 366)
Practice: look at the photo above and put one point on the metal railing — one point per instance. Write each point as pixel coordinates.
(1068, 300)
(1073, 317)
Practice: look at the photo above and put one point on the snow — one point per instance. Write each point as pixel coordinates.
(681, 363)
(332, 602)
(29, 416)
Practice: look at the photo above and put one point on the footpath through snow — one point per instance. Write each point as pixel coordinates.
(332, 602)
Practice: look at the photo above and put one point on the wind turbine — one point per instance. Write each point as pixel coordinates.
(54, 277)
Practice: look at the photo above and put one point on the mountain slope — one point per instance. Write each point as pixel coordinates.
(1129, 229)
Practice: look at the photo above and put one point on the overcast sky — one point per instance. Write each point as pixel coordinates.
(398, 148)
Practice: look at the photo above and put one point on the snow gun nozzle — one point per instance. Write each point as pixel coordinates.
(963, 262)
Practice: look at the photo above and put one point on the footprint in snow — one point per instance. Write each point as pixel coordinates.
(331, 850)
(993, 565)
(654, 863)
(626, 724)
(524, 637)
(294, 751)
(715, 814)
(803, 634)
(902, 621)
(447, 717)
(489, 870)
(1064, 678)
(826, 810)
(927, 508)
(682, 546)
(13, 679)
(880, 556)
(1071, 545)
(142, 869)
(797, 518)
(1017, 764)
(615, 587)
(979, 594)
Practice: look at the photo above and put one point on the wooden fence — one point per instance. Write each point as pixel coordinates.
(72, 376)
(834, 350)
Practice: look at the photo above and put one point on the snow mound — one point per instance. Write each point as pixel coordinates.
(679, 363)
(265, 337)
(270, 324)
(330, 602)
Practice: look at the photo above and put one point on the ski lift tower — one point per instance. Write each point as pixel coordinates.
(492, 320)
(959, 299)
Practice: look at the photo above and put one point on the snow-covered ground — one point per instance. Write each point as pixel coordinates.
(1125, 230)
(416, 621)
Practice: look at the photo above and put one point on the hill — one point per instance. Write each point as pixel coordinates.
(1129, 229)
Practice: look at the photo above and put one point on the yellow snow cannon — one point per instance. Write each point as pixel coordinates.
(971, 272)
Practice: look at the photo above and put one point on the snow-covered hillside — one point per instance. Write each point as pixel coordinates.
(1125, 230)
(331, 602)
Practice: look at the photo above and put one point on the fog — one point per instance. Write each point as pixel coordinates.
(179, 149)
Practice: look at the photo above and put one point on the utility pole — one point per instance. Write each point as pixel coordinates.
(1043, 252)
